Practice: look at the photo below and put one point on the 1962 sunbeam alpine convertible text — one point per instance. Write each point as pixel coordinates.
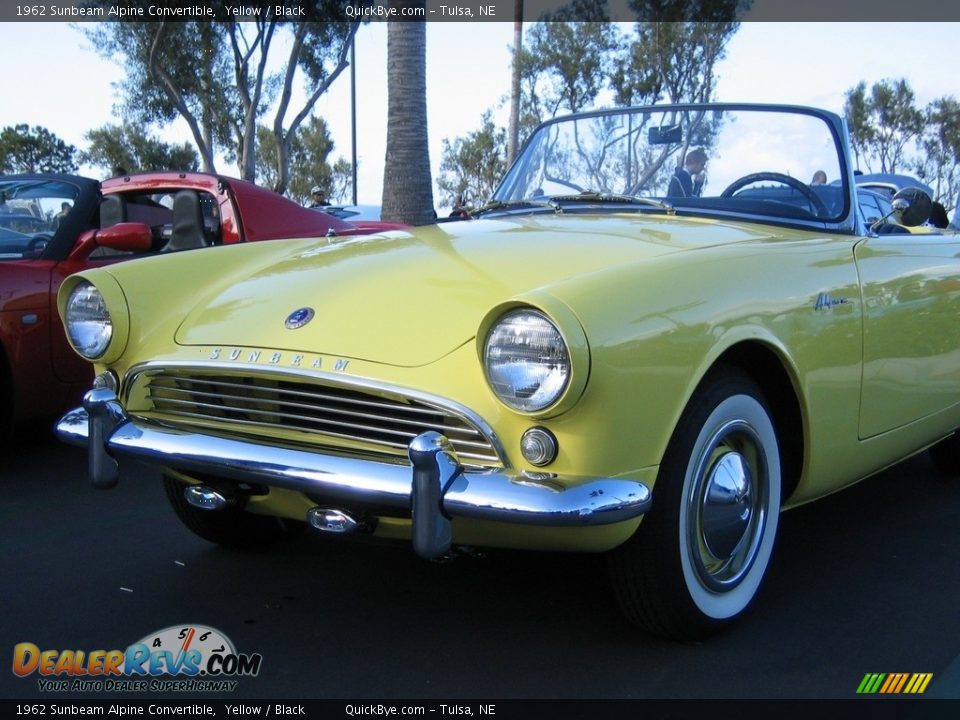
(654, 338)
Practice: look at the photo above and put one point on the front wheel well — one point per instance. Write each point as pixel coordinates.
(766, 368)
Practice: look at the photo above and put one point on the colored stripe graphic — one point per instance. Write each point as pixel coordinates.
(918, 683)
(894, 683)
(870, 683)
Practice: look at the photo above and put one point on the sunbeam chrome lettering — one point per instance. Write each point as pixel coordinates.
(277, 358)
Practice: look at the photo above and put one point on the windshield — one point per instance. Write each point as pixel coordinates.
(30, 213)
(785, 163)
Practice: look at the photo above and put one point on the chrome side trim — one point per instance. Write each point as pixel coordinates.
(437, 490)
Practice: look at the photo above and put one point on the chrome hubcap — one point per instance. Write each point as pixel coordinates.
(726, 507)
(726, 510)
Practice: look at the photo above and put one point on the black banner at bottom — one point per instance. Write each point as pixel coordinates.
(872, 709)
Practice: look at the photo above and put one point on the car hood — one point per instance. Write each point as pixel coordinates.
(409, 298)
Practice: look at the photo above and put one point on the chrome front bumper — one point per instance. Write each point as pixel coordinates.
(437, 490)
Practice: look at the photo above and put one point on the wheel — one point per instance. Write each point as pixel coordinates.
(946, 455)
(699, 556)
(815, 202)
(231, 527)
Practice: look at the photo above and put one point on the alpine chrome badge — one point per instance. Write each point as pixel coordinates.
(299, 318)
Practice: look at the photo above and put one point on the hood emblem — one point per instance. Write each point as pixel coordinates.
(299, 318)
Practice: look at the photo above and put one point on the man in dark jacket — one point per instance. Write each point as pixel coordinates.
(687, 181)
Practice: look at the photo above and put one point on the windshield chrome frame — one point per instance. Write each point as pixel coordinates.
(847, 222)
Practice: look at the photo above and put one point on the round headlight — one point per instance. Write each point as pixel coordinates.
(526, 361)
(88, 323)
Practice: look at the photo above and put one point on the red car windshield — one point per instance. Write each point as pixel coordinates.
(30, 212)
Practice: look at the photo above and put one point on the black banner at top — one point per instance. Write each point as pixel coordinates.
(859, 11)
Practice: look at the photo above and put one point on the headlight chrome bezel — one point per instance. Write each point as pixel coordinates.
(115, 316)
(574, 342)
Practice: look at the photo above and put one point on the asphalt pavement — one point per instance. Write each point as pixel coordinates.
(864, 581)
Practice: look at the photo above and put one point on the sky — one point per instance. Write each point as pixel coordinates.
(54, 78)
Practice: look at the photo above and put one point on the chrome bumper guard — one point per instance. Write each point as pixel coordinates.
(436, 491)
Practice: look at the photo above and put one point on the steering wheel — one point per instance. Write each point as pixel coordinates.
(38, 243)
(797, 185)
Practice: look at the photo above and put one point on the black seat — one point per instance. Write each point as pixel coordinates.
(187, 232)
(113, 210)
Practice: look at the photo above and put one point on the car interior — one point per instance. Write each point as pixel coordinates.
(179, 219)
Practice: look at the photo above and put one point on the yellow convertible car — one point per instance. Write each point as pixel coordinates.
(653, 339)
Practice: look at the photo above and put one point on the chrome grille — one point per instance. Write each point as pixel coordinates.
(345, 419)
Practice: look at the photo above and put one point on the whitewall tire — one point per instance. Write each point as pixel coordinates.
(700, 555)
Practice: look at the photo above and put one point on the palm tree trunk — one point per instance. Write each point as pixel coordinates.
(513, 135)
(407, 184)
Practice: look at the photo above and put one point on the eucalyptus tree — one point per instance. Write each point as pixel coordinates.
(671, 57)
(890, 133)
(308, 159)
(674, 50)
(473, 165)
(223, 78)
(341, 180)
(25, 149)
(939, 161)
(566, 61)
(133, 148)
(574, 55)
(883, 123)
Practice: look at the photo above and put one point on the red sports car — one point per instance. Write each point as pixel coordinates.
(54, 225)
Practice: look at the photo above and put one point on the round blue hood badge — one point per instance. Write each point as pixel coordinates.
(299, 318)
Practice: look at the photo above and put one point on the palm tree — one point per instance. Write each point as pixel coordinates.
(407, 185)
(513, 134)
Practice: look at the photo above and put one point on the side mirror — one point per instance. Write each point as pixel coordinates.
(125, 237)
(912, 206)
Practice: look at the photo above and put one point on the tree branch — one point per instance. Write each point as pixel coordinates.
(173, 93)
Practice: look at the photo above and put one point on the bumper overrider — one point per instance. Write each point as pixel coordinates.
(435, 491)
